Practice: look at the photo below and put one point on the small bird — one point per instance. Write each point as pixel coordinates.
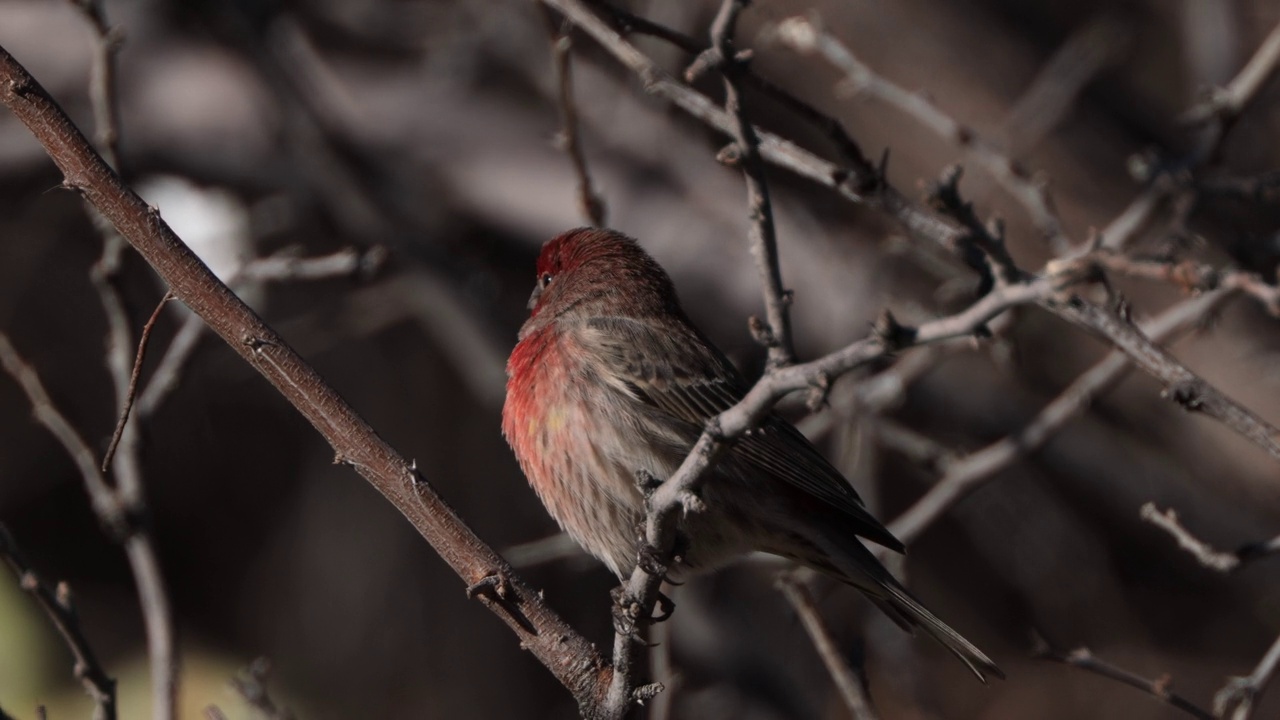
(611, 382)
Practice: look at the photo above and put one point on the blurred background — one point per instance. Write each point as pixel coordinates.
(427, 130)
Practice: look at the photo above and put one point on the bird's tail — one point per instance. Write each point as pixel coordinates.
(854, 564)
(905, 610)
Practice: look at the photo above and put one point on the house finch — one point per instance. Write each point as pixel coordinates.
(610, 382)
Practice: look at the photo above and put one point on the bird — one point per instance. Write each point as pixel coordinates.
(609, 381)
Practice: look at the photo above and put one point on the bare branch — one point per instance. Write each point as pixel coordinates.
(1159, 688)
(775, 332)
(800, 34)
(1203, 552)
(123, 519)
(1238, 695)
(1228, 103)
(105, 503)
(569, 656)
(847, 682)
(57, 605)
(965, 474)
(133, 381)
(102, 82)
(570, 139)
(1181, 384)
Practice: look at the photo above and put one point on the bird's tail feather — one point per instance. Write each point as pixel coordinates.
(900, 604)
(854, 564)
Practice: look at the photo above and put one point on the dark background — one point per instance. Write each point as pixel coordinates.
(428, 128)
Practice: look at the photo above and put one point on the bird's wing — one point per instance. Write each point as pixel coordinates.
(681, 373)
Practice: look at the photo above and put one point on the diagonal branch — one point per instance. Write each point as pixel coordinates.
(964, 475)
(57, 605)
(567, 654)
(1084, 659)
(800, 34)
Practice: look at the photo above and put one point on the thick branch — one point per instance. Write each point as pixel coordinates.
(570, 657)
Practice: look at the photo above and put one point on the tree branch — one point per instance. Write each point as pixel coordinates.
(775, 332)
(57, 605)
(569, 656)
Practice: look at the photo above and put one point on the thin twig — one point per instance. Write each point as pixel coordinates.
(846, 680)
(57, 605)
(282, 266)
(775, 332)
(1230, 102)
(1182, 385)
(105, 503)
(963, 475)
(1239, 694)
(570, 139)
(800, 34)
(133, 380)
(102, 82)
(1159, 688)
(1202, 551)
(127, 465)
(123, 520)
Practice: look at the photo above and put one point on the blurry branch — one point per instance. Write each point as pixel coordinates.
(123, 518)
(567, 654)
(1095, 46)
(1240, 692)
(1186, 275)
(251, 684)
(143, 340)
(1226, 104)
(57, 605)
(962, 475)
(775, 332)
(570, 137)
(1203, 552)
(551, 548)
(125, 464)
(663, 672)
(1216, 116)
(801, 35)
(1159, 688)
(287, 266)
(102, 81)
(107, 505)
(282, 266)
(846, 680)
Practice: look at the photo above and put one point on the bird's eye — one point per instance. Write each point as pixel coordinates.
(545, 280)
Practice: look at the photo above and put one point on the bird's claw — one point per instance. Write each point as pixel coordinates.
(652, 560)
(626, 613)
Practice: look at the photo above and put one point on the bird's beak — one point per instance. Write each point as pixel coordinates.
(533, 299)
